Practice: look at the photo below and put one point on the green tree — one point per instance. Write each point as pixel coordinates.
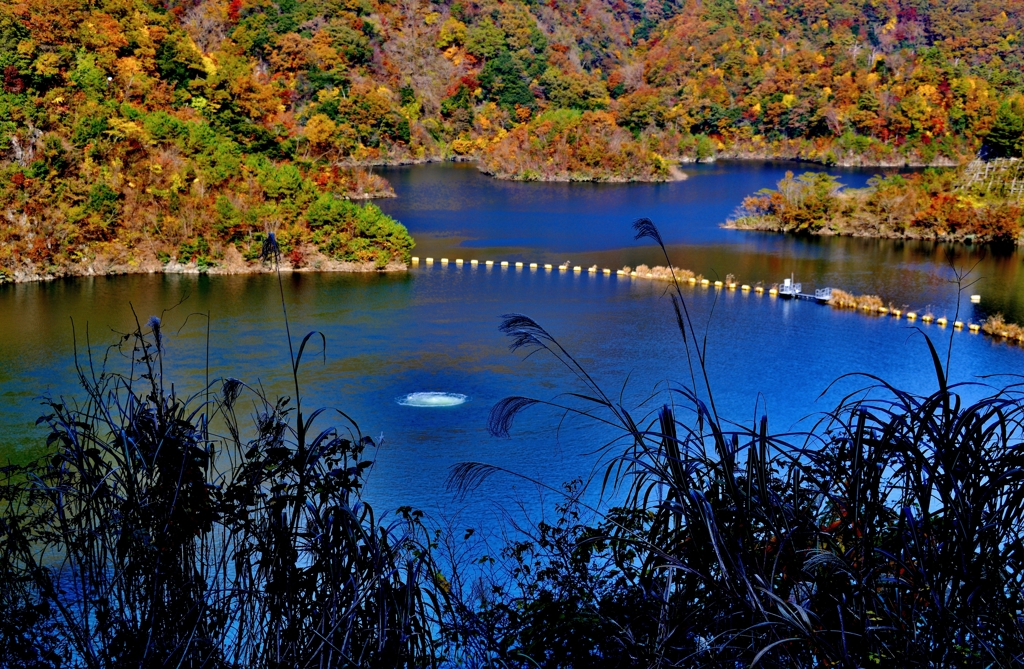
(1006, 139)
(504, 82)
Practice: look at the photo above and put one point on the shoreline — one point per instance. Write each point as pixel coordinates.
(675, 166)
(324, 265)
(906, 236)
(317, 262)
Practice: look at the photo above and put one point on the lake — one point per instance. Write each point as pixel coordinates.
(435, 328)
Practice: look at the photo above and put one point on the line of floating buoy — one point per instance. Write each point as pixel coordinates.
(729, 284)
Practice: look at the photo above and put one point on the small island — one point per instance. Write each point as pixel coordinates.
(978, 203)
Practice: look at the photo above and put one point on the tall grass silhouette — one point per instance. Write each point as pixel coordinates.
(169, 531)
(888, 535)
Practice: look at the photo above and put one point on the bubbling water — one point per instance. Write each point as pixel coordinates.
(432, 400)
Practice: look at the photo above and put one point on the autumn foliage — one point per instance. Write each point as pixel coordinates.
(928, 205)
(138, 132)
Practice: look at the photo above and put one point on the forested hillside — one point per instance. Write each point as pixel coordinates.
(136, 130)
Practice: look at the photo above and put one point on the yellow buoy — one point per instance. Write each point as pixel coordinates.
(759, 290)
(415, 260)
(430, 261)
(975, 299)
(896, 313)
(592, 270)
(718, 284)
(959, 325)
(649, 275)
(458, 261)
(745, 288)
(474, 262)
(773, 291)
(927, 318)
(633, 273)
(693, 279)
(883, 310)
(444, 261)
(731, 286)
(533, 265)
(577, 268)
(942, 321)
(705, 282)
(519, 264)
(974, 327)
(911, 316)
(607, 271)
(620, 272)
(547, 266)
(504, 263)
(490, 262)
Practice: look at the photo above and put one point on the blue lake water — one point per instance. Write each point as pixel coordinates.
(434, 329)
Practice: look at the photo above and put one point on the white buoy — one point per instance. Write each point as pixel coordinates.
(444, 261)
(415, 260)
(533, 265)
(490, 262)
(975, 299)
(577, 268)
(519, 264)
(430, 261)
(607, 271)
(504, 263)
(474, 262)
(458, 261)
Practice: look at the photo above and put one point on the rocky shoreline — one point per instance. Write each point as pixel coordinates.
(232, 263)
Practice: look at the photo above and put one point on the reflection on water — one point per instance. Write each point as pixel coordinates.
(435, 328)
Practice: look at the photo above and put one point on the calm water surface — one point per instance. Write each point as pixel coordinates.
(435, 329)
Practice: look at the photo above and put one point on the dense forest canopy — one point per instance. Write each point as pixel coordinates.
(193, 128)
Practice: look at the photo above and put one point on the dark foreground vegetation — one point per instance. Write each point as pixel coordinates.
(172, 531)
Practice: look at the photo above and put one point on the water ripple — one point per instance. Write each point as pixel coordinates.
(432, 399)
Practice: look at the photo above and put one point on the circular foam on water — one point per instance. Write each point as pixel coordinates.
(432, 400)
